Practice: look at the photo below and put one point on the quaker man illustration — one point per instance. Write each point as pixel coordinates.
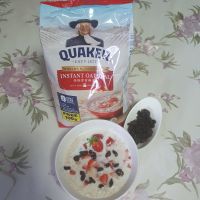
(84, 29)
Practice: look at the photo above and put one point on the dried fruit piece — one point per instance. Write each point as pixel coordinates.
(76, 158)
(103, 179)
(100, 169)
(116, 165)
(107, 165)
(91, 180)
(111, 182)
(83, 153)
(100, 185)
(115, 153)
(119, 172)
(67, 167)
(83, 175)
(108, 154)
(109, 141)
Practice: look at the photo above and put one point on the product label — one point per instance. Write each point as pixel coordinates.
(85, 78)
(69, 107)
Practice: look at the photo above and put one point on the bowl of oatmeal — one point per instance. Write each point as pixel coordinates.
(97, 159)
(106, 106)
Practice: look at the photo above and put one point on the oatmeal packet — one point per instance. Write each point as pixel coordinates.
(86, 48)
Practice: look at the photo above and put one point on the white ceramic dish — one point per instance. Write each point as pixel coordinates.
(154, 106)
(95, 126)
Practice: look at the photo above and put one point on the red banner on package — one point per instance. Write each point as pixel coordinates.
(85, 80)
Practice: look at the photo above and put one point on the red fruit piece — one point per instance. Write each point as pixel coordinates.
(97, 146)
(103, 179)
(96, 143)
(109, 141)
(91, 163)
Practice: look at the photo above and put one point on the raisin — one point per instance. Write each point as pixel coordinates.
(93, 155)
(108, 154)
(107, 165)
(82, 173)
(91, 152)
(67, 167)
(101, 185)
(83, 153)
(91, 180)
(115, 153)
(116, 165)
(76, 158)
(119, 172)
(100, 169)
(82, 177)
(111, 182)
(141, 127)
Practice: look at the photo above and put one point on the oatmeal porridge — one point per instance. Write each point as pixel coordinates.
(97, 165)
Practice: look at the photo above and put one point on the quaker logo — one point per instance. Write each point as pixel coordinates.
(84, 29)
(84, 52)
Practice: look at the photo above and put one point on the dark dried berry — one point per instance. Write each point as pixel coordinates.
(100, 169)
(119, 172)
(111, 182)
(91, 152)
(67, 167)
(93, 155)
(91, 180)
(107, 165)
(76, 158)
(115, 153)
(141, 128)
(82, 177)
(82, 173)
(108, 154)
(83, 153)
(101, 185)
(116, 165)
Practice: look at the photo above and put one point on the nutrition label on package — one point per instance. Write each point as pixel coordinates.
(69, 107)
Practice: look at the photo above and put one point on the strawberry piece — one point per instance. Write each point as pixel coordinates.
(97, 146)
(96, 143)
(109, 141)
(91, 163)
(103, 179)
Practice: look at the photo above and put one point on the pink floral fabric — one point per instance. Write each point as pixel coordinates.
(164, 64)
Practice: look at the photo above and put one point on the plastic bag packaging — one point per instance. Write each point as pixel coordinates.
(86, 48)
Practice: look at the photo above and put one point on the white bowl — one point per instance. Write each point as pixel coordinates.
(155, 109)
(95, 126)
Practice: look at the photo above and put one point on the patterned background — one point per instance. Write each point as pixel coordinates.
(165, 64)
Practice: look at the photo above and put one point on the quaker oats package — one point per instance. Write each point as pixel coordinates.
(86, 49)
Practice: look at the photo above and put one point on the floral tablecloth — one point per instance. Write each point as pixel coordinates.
(165, 65)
